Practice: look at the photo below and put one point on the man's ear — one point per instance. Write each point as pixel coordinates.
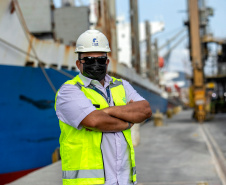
(108, 61)
(78, 64)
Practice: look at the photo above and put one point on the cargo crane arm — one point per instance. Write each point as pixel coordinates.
(174, 46)
(210, 38)
(172, 39)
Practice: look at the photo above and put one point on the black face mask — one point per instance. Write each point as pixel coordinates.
(95, 71)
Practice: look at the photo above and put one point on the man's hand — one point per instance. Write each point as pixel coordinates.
(135, 112)
(106, 110)
(130, 125)
(131, 101)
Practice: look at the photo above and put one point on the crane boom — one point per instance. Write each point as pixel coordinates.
(172, 39)
(174, 46)
(196, 56)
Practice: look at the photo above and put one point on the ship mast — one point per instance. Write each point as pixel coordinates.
(135, 36)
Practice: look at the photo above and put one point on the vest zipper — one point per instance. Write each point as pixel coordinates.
(102, 156)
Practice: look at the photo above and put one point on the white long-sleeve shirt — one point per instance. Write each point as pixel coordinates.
(73, 106)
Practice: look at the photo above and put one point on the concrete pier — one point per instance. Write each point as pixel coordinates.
(181, 152)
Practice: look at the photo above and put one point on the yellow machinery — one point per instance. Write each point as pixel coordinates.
(196, 58)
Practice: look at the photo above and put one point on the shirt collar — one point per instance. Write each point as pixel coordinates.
(88, 81)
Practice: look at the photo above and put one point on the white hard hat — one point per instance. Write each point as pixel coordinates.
(92, 41)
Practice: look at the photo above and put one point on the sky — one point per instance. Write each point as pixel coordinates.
(173, 13)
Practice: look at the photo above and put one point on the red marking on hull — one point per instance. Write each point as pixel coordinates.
(10, 177)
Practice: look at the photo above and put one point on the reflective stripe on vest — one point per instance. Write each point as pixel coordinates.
(83, 174)
(134, 170)
(115, 84)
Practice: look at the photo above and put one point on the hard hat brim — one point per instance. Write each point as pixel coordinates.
(94, 50)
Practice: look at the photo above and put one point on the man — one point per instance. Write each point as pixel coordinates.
(95, 113)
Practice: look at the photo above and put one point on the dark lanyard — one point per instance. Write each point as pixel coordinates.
(108, 98)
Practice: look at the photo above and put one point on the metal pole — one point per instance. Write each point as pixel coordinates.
(135, 35)
(107, 24)
(148, 50)
(156, 62)
(114, 44)
(196, 57)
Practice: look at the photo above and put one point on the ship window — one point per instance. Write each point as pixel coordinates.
(64, 67)
(30, 63)
(53, 65)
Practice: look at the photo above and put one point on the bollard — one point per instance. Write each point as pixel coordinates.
(174, 110)
(56, 155)
(177, 109)
(202, 183)
(169, 113)
(158, 118)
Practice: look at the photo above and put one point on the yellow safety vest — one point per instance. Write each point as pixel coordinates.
(80, 150)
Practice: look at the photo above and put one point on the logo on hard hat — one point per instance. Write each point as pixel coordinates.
(95, 42)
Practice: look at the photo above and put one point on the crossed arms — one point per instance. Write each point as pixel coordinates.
(115, 119)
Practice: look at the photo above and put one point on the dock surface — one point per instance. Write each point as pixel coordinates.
(181, 152)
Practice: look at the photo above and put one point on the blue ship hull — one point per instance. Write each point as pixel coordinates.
(29, 130)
